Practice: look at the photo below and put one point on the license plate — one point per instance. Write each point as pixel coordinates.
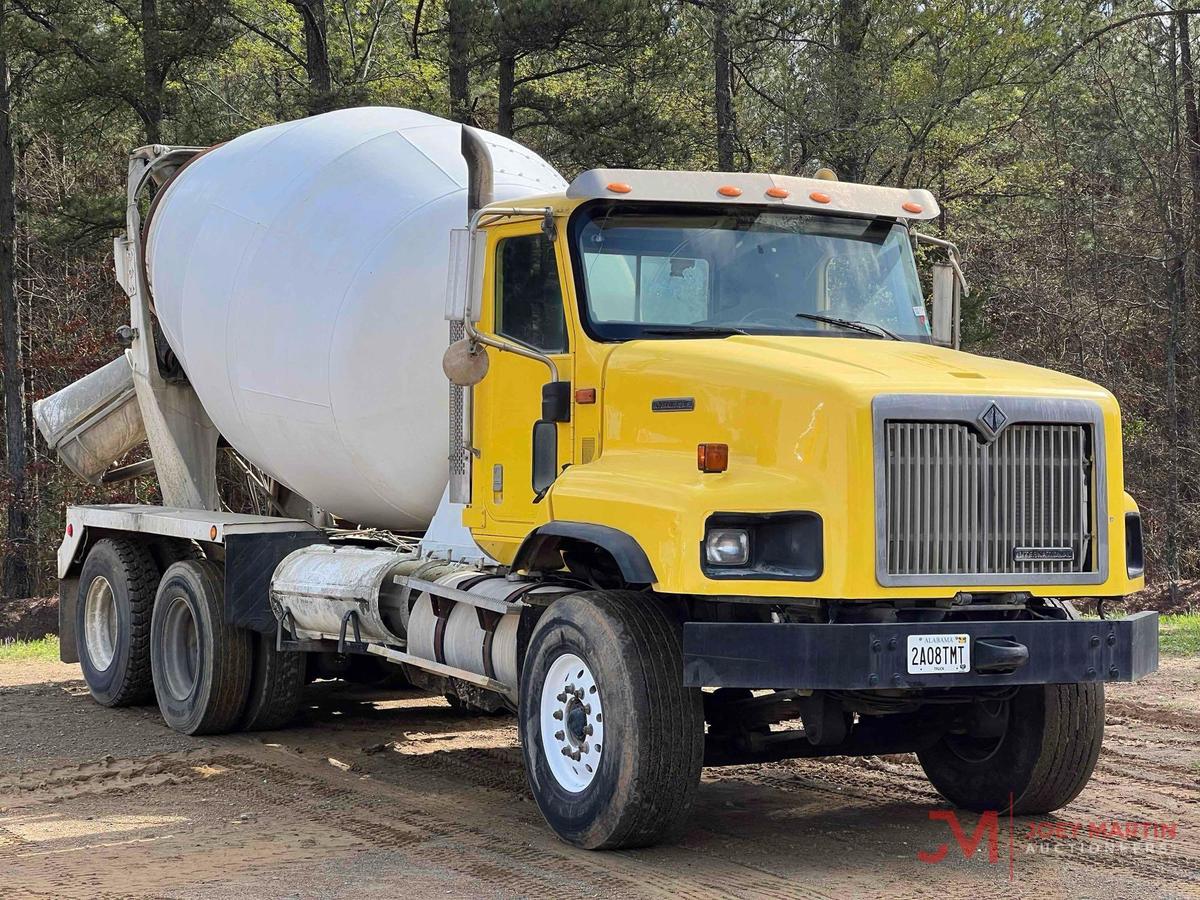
(938, 653)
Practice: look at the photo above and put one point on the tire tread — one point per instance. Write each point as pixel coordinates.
(141, 576)
(276, 686)
(231, 656)
(664, 774)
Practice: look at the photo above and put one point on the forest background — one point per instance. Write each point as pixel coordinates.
(1062, 139)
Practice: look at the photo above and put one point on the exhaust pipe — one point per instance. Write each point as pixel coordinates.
(480, 173)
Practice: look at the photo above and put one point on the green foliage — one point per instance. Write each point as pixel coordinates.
(1179, 635)
(43, 650)
(1054, 135)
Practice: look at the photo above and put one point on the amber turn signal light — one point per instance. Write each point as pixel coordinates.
(712, 457)
(585, 395)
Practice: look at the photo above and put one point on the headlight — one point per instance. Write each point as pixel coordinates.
(778, 546)
(727, 547)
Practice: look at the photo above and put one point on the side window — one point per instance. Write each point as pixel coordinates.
(529, 304)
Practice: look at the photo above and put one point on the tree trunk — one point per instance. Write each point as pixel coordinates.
(1192, 127)
(1176, 255)
(847, 155)
(506, 79)
(154, 77)
(723, 94)
(459, 62)
(316, 54)
(1191, 328)
(15, 578)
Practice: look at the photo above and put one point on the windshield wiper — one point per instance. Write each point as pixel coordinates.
(696, 330)
(864, 327)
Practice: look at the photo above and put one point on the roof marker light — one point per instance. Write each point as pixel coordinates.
(778, 193)
(912, 207)
(728, 190)
(619, 187)
(818, 197)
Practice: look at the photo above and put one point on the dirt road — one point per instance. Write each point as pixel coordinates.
(374, 797)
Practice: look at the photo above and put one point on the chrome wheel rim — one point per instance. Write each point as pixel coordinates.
(572, 723)
(100, 623)
(181, 649)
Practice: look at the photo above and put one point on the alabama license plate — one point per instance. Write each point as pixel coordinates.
(938, 653)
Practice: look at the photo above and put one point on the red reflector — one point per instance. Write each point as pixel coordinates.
(585, 395)
(712, 457)
(70, 530)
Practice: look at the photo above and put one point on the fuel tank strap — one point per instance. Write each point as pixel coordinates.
(458, 595)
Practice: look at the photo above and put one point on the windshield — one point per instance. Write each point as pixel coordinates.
(664, 272)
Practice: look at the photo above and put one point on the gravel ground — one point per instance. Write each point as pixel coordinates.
(399, 796)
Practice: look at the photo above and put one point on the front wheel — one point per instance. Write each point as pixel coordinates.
(1035, 750)
(613, 741)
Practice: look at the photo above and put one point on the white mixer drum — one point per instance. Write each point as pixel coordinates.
(299, 273)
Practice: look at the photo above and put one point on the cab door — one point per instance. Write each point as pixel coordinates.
(524, 284)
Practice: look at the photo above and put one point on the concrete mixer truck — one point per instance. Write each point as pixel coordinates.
(682, 468)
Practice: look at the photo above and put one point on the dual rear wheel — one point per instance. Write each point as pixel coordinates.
(146, 633)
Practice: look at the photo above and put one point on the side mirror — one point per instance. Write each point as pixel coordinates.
(949, 287)
(465, 363)
(947, 305)
(545, 455)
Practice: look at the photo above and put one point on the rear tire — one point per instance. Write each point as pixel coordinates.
(112, 621)
(1042, 759)
(201, 664)
(276, 685)
(603, 681)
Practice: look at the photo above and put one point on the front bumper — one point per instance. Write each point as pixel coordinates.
(873, 656)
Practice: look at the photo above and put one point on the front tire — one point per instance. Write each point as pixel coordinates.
(202, 666)
(613, 741)
(112, 621)
(1038, 750)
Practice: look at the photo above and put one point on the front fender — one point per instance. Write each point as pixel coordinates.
(661, 501)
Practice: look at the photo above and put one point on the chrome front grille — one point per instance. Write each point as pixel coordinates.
(957, 506)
